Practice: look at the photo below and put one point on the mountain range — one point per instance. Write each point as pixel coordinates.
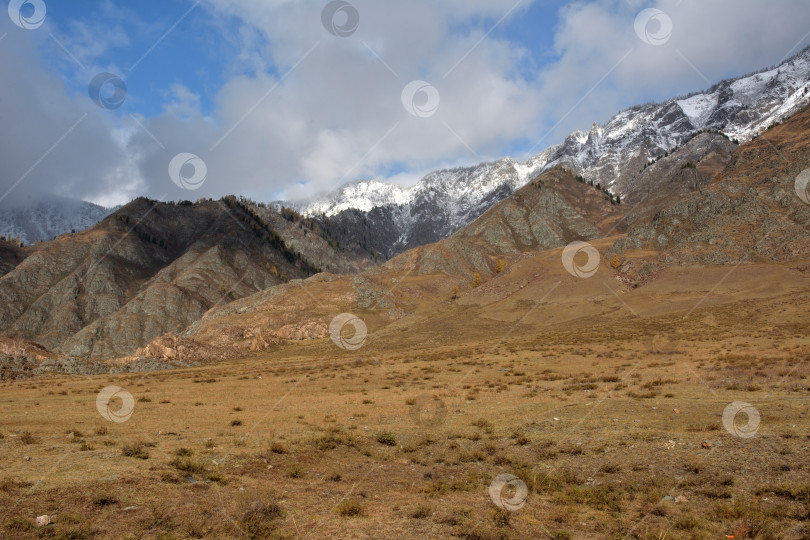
(613, 155)
(702, 180)
(738, 209)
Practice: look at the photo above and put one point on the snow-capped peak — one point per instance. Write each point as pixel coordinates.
(611, 154)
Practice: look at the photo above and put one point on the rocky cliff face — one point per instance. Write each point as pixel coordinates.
(749, 212)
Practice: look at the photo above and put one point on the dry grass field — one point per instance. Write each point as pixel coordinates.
(612, 421)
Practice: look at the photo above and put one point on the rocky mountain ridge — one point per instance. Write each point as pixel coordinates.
(152, 268)
(716, 206)
(613, 155)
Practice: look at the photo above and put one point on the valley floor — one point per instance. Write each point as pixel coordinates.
(616, 428)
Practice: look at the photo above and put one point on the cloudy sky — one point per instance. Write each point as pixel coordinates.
(284, 99)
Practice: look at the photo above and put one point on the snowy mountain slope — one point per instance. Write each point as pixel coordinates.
(50, 217)
(613, 154)
(430, 210)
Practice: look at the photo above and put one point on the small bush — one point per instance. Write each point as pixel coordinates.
(387, 438)
(420, 512)
(236, 422)
(170, 478)
(215, 477)
(259, 517)
(187, 465)
(28, 438)
(278, 448)
(135, 450)
(105, 500)
(349, 508)
(333, 438)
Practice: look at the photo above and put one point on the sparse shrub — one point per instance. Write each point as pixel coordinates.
(135, 450)
(215, 477)
(642, 395)
(278, 448)
(387, 438)
(260, 516)
(183, 452)
(349, 508)
(170, 478)
(332, 439)
(105, 499)
(236, 423)
(420, 512)
(26, 437)
(484, 424)
(500, 517)
(187, 465)
(521, 439)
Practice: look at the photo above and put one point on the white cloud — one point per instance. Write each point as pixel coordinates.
(51, 141)
(714, 40)
(330, 110)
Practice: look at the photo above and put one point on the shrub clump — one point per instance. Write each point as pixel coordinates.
(387, 438)
(349, 508)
